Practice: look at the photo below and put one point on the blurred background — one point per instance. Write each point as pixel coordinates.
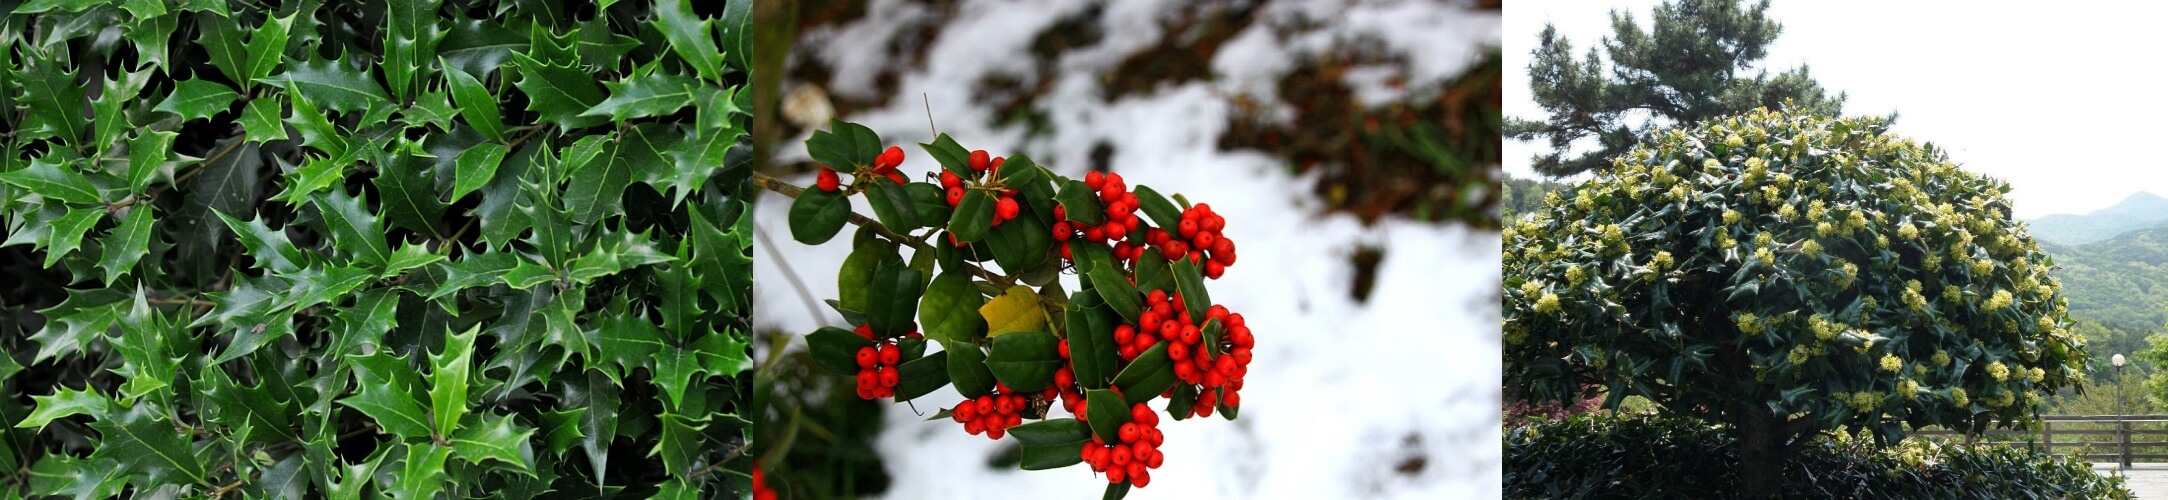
(1352, 146)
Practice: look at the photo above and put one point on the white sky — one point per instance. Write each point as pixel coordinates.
(2065, 104)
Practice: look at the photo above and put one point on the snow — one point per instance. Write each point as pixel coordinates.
(1340, 393)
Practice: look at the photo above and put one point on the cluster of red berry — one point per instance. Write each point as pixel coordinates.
(1223, 373)
(1005, 207)
(992, 414)
(1121, 218)
(1134, 455)
(877, 372)
(1072, 397)
(760, 485)
(883, 165)
(1197, 237)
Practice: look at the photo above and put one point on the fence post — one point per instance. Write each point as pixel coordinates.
(2124, 438)
(2047, 436)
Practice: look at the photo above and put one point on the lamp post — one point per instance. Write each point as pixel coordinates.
(2122, 442)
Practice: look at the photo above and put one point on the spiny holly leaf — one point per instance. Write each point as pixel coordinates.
(53, 101)
(410, 39)
(107, 122)
(645, 94)
(354, 229)
(407, 189)
(125, 244)
(147, 154)
(267, 47)
(239, 406)
(67, 233)
(387, 388)
(497, 438)
(66, 403)
(332, 84)
(271, 249)
(82, 479)
(198, 99)
(146, 344)
(475, 168)
(691, 36)
(71, 325)
(448, 380)
(260, 119)
(144, 443)
(423, 475)
(53, 180)
(558, 92)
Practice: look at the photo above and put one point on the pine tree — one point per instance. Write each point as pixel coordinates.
(1698, 61)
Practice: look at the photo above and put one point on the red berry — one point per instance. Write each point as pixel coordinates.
(1177, 350)
(996, 164)
(865, 331)
(1129, 432)
(1143, 414)
(955, 195)
(1115, 474)
(828, 181)
(890, 356)
(1188, 228)
(889, 159)
(1094, 180)
(867, 358)
(1064, 347)
(1123, 335)
(986, 404)
(1006, 208)
(889, 376)
(896, 176)
(1233, 399)
(1141, 479)
(979, 160)
(1121, 456)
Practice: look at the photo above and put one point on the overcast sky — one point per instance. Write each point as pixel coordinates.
(2064, 103)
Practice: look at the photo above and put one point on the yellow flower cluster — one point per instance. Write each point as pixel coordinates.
(1734, 141)
(1907, 388)
(1998, 371)
(1530, 288)
(1762, 254)
(1941, 358)
(1583, 201)
(2035, 375)
(1798, 355)
(1957, 397)
(1812, 248)
(1816, 209)
(1574, 275)
(1907, 231)
(1824, 329)
(1662, 260)
(2000, 300)
(1846, 274)
(1548, 304)
(1748, 323)
(1982, 266)
(1731, 216)
(1890, 363)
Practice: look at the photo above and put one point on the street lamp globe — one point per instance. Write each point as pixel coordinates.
(2117, 360)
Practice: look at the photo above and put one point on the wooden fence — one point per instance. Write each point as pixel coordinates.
(2123, 437)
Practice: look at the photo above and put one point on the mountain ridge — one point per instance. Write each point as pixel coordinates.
(2140, 210)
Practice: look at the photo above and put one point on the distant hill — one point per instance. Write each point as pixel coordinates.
(2139, 211)
(2121, 280)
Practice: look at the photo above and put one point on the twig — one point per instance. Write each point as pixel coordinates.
(191, 301)
(184, 176)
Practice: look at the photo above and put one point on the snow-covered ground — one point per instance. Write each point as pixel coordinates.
(1394, 398)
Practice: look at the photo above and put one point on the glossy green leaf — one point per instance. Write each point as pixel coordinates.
(1026, 362)
(147, 154)
(921, 376)
(125, 244)
(1190, 281)
(66, 403)
(1093, 353)
(476, 104)
(836, 349)
(645, 95)
(67, 233)
(497, 438)
(54, 181)
(892, 305)
(967, 369)
(949, 310)
(476, 167)
(690, 36)
(1147, 376)
(387, 388)
(1106, 414)
(198, 100)
(816, 216)
(333, 85)
(973, 216)
(448, 380)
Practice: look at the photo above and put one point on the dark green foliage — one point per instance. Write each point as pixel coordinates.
(373, 249)
(1608, 456)
(2121, 280)
(1694, 62)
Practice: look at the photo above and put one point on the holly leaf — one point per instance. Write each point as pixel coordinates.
(267, 47)
(270, 248)
(921, 376)
(559, 93)
(1116, 292)
(147, 153)
(1191, 282)
(1026, 361)
(646, 94)
(144, 442)
(948, 312)
(260, 120)
(836, 349)
(476, 104)
(1107, 414)
(1093, 354)
(387, 387)
(66, 403)
(354, 229)
(67, 232)
(1147, 376)
(332, 84)
(497, 438)
(1015, 310)
(967, 369)
(448, 379)
(423, 475)
(125, 244)
(892, 304)
(54, 181)
(690, 36)
(817, 215)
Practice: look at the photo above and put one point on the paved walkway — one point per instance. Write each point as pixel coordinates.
(2146, 480)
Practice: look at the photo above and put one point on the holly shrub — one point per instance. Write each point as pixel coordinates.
(1788, 274)
(366, 250)
(989, 238)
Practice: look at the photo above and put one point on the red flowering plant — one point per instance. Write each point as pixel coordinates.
(989, 239)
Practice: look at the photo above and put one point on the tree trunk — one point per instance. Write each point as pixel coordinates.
(1761, 455)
